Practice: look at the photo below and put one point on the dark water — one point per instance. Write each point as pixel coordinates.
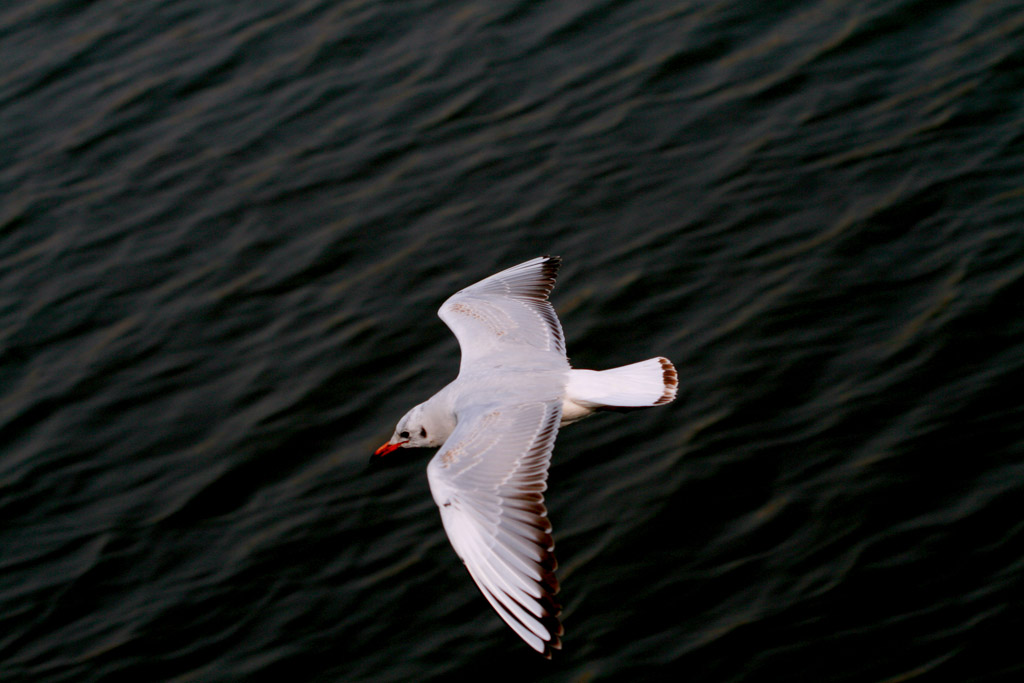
(225, 230)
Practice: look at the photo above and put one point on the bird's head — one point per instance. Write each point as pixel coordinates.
(417, 429)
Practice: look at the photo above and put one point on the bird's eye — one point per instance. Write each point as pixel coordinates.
(423, 432)
(404, 435)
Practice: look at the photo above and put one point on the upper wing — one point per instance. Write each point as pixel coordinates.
(488, 480)
(507, 312)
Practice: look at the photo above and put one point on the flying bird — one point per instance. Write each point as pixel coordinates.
(496, 425)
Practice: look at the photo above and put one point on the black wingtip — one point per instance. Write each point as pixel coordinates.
(554, 644)
(552, 264)
(549, 274)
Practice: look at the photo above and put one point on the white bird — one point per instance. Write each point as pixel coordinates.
(496, 425)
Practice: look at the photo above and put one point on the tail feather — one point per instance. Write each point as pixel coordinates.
(648, 383)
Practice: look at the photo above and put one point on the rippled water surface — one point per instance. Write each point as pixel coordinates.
(226, 228)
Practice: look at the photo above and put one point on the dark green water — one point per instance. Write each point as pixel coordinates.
(225, 229)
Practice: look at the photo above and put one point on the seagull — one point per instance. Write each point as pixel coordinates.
(496, 424)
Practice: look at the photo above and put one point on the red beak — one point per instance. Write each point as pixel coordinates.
(388, 447)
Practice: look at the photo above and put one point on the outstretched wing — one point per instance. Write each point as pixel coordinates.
(508, 316)
(488, 480)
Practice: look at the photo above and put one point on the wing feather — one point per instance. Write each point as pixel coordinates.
(508, 313)
(488, 480)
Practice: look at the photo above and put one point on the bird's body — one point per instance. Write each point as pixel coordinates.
(496, 424)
